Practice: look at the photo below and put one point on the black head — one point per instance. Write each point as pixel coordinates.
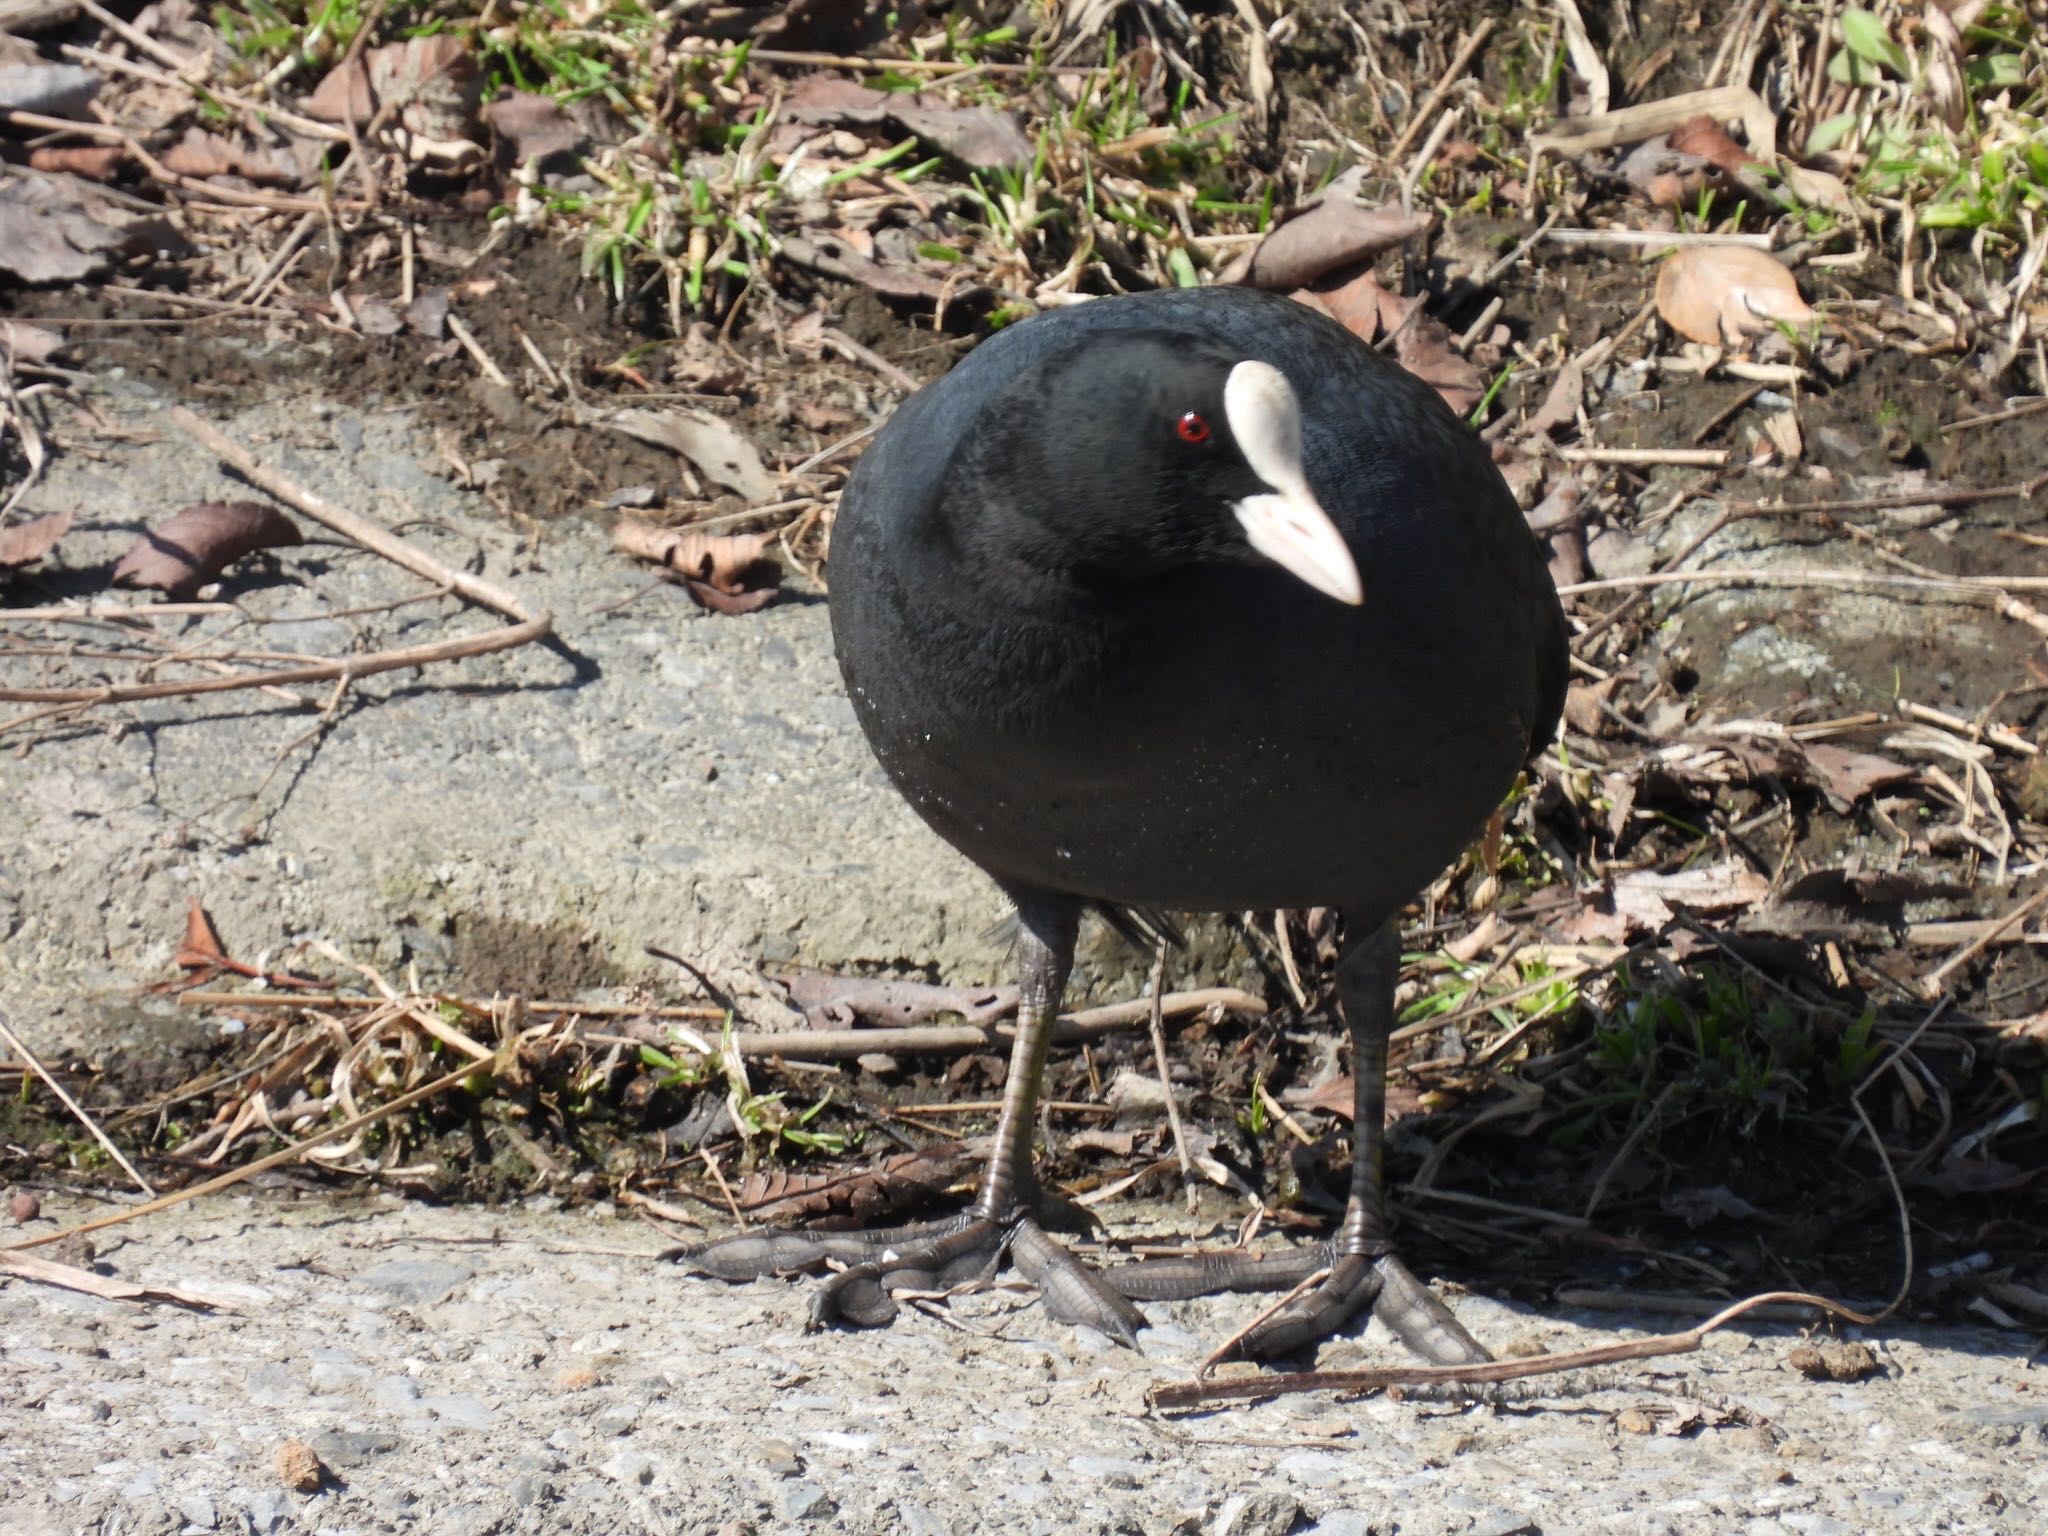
(1132, 453)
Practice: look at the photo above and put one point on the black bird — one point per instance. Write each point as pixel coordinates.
(1184, 601)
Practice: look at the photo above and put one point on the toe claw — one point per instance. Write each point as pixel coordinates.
(1072, 1291)
(1422, 1322)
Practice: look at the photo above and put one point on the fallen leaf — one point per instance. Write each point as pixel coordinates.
(1330, 231)
(535, 127)
(1422, 343)
(717, 448)
(26, 543)
(980, 137)
(194, 545)
(1646, 897)
(1720, 294)
(1560, 407)
(202, 153)
(431, 81)
(830, 253)
(728, 573)
(1333, 1097)
(1424, 349)
(58, 229)
(1706, 138)
(202, 949)
(841, 1002)
(862, 1194)
(95, 162)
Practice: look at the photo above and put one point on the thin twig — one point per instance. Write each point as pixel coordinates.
(1156, 1022)
(1467, 51)
(1197, 1394)
(1223, 1351)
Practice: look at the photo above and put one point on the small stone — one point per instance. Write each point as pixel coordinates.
(267, 1509)
(1111, 1471)
(143, 1485)
(1260, 1514)
(350, 1447)
(396, 1392)
(578, 1378)
(298, 1467)
(463, 1412)
(807, 1501)
(526, 1490)
(419, 1281)
(634, 1468)
(1342, 1522)
(24, 1207)
(779, 1457)
(1633, 1421)
(198, 1511)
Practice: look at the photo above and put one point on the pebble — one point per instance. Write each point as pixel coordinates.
(633, 1468)
(1257, 1514)
(267, 1508)
(198, 1511)
(351, 1447)
(1113, 1471)
(463, 1412)
(418, 1281)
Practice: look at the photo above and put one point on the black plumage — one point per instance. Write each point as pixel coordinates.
(1071, 658)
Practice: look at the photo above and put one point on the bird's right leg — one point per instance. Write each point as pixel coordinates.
(1004, 1216)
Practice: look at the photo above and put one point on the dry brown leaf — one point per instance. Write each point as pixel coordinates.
(201, 153)
(58, 229)
(719, 450)
(831, 1001)
(1649, 900)
(1560, 407)
(202, 947)
(1330, 231)
(535, 127)
(1334, 1097)
(432, 82)
(1704, 137)
(727, 573)
(26, 543)
(194, 545)
(833, 253)
(95, 162)
(976, 136)
(1720, 294)
(902, 1180)
(1425, 350)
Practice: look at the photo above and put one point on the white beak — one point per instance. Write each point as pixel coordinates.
(1287, 525)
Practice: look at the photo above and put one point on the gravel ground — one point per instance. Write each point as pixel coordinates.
(469, 1371)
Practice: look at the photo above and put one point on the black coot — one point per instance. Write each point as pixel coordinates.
(1189, 601)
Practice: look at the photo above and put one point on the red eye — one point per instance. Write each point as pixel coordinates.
(1193, 428)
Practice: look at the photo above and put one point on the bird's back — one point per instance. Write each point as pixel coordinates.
(1220, 737)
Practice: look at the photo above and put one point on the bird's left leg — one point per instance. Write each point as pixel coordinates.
(1004, 1214)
